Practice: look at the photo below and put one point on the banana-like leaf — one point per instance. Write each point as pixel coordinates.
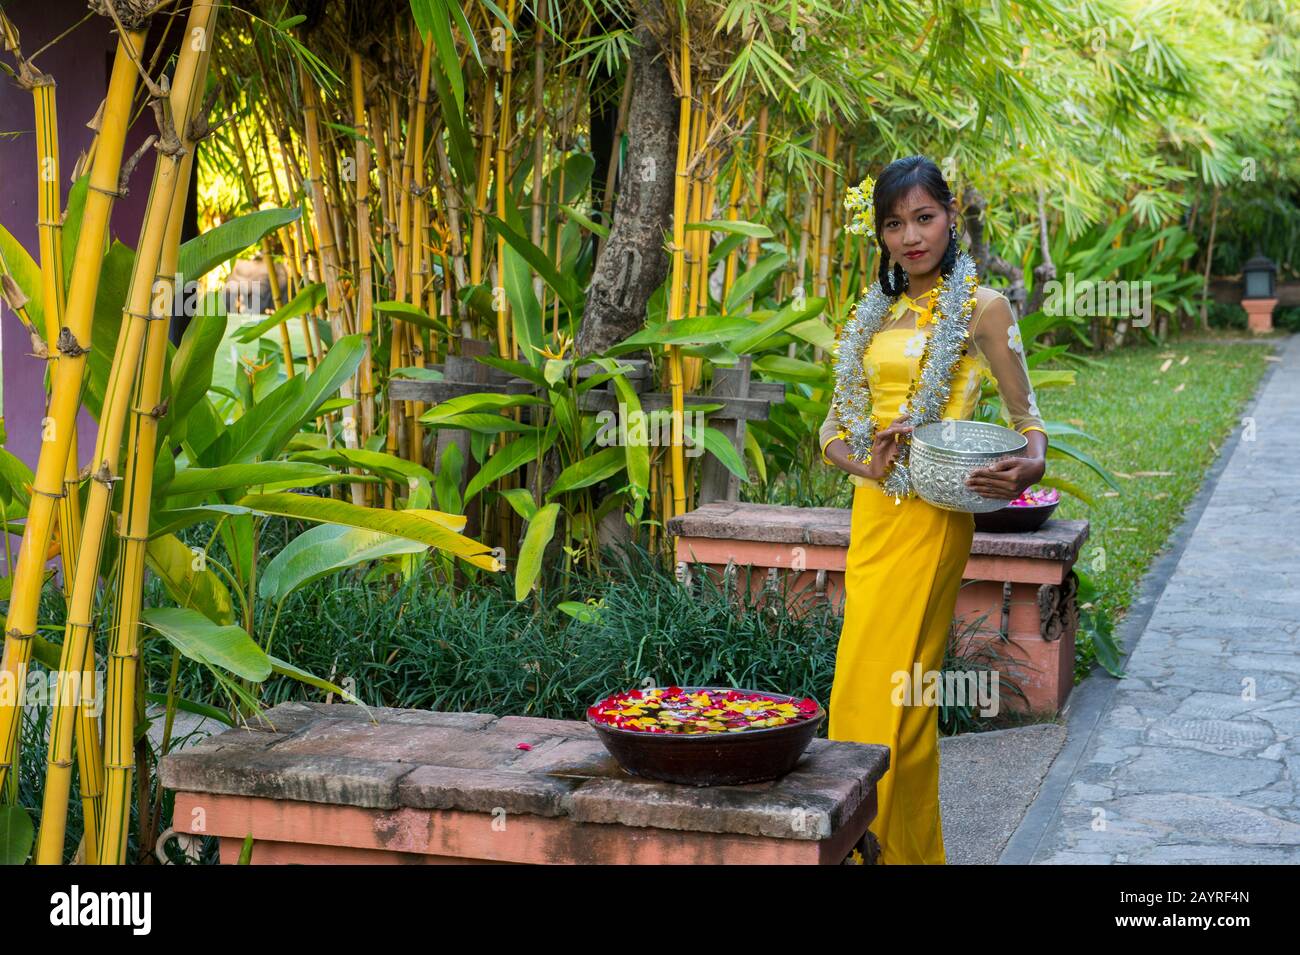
(540, 531)
(792, 369)
(564, 285)
(733, 227)
(16, 835)
(230, 648)
(185, 574)
(720, 446)
(526, 310)
(203, 253)
(398, 523)
(747, 284)
(481, 401)
(514, 455)
(224, 477)
(307, 299)
(407, 312)
(590, 470)
(700, 330)
(753, 340)
(323, 550)
(285, 668)
(22, 268)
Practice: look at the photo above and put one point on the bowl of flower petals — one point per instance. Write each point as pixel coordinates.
(1026, 513)
(705, 735)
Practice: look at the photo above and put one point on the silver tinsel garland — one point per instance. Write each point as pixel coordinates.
(852, 399)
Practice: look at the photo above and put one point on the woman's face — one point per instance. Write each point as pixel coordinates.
(916, 232)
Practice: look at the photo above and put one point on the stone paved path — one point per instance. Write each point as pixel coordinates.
(1194, 756)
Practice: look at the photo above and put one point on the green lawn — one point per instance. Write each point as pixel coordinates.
(1158, 431)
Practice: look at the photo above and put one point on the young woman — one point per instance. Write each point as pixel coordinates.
(914, 351)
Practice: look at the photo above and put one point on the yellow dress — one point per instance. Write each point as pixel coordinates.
(904, 568)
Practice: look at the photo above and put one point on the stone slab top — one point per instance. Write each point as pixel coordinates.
(388, 759)
(830, 526)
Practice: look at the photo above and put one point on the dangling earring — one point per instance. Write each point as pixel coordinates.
(953, 229)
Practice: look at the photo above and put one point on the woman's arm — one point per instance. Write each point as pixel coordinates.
(997, 336)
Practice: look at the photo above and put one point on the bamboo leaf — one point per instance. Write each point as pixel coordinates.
(541, 528)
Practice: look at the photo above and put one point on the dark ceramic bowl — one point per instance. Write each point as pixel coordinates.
(712, 759)
(1021, 519)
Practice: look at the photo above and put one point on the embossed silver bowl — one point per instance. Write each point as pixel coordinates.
(944, 453)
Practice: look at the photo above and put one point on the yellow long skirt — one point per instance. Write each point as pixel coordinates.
(903, 572)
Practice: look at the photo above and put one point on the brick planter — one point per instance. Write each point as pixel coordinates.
(328, 785)
(1021, 585)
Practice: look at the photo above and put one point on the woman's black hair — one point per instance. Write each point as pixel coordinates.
(898, 179)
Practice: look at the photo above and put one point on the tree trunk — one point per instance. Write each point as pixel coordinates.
(632, 263)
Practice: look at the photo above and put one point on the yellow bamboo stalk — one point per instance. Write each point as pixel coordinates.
(255, 202)
(365, 291)
(679, 273)
(143, 317)
(329, 259)
(73, 345)
(414, 336)
(505, 336)
(760, 181)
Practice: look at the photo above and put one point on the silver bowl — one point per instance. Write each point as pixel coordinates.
(944, 453)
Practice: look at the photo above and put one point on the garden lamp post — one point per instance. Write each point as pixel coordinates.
(1259, 292)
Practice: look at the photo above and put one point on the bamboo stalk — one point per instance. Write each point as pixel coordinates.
(150, 272)
(73, 345)
(365, 290)
(329, 259)
(679, 274)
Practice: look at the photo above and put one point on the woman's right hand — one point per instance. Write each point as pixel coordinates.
(884, 448)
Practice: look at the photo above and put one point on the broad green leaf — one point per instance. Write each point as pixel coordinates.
(224, 477)
(563, 285)
(307, 299)
(480, 401)
(189, 580)
(521, 499)
(482, 423)
(16, 835)
(513, 456)
(27, 273)
(411, 314)
(198, 638)
(526, 311)
(792, 369)
(540, 531)
(398, 523)
(754, 339)
(285, 668)
(323, 550)
(717, 444)
(203, 253)
(750, 282)
(700, 330)
(733, 226)
(590, 470)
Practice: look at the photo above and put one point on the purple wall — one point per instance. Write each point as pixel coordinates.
(80, 64)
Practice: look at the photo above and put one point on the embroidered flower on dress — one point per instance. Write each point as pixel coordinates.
(871, 368)
(915, 346)
(1014, 339)
(902, 409)
(1033, 404)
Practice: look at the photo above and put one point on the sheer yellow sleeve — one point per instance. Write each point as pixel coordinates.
(997, 336)
(829, 431)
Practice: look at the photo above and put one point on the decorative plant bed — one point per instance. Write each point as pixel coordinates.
(323, 783)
